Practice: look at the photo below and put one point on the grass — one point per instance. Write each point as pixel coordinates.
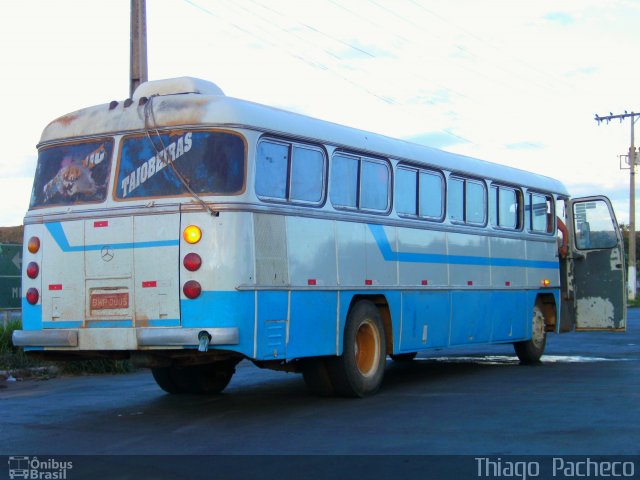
(14, 358)
(11, 357)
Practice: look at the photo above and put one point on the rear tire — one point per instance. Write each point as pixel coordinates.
(197, 379)
(530, 351)
(358, 372)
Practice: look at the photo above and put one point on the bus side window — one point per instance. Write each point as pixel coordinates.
(374, 185)
(406, 191)
(271, 170)
(419, 193)
(344, 181)
(540, 213)
(360, 183)
(467, 201)
(290, 172)
(307, 173)
(504, 207)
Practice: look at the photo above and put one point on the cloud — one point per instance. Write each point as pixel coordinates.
(436, 139)
(562, 18)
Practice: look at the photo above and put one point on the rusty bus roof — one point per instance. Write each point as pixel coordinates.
(188, 102)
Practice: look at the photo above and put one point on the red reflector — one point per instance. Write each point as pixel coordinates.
(425, 282)
(55, 287)
(32, 270)
(470, 282)
(32, 296)
(192, 289)
(311, 281)
(368, 282)
(192, 262)
(507, 284)
(150, 284)
(103, 223)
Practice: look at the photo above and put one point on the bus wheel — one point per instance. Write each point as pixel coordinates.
(530, 351)
(316, 377)
(359, 370)
(194, 379)
(403, 357)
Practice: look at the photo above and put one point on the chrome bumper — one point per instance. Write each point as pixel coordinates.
(145, 337)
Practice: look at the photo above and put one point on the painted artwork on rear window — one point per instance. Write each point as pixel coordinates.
(72, 174)
(210, 163)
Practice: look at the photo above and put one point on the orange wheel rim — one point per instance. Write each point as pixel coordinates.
(367, 349)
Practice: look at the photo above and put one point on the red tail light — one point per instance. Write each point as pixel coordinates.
(192, 262)
(192, 289)
(32, 296)
(32, 270)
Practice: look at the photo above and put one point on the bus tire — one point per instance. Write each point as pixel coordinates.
(316, 377)
(403, 357)
(358, 372)
(197, 379)
(530, 351)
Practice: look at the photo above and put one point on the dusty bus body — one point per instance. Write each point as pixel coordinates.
(187, 231)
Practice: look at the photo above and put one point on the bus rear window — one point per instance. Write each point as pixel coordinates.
(72, 173)
(211, 163)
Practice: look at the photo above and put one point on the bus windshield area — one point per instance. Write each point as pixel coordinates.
(72, 173)
(159, 165)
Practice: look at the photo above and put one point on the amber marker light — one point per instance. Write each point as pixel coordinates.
(192, 234)
(33, 245)
(545, 282)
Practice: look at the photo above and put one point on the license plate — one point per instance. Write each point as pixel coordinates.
(109, 301)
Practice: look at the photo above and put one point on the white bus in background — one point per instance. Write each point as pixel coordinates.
(187, 230)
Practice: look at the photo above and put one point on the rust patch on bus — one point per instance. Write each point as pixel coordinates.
(66, 120)
(141, 321)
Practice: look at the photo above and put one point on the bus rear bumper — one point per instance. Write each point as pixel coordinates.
(144, 337)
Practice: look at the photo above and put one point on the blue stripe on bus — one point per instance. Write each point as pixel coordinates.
(109, 323)
(390, 256)
(57, 232)
(164, 322)
(62, 324)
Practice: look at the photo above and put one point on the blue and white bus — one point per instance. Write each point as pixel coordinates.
(187, 230)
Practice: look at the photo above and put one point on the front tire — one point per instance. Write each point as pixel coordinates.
(530, 351)
(196, 379)
(358, 372)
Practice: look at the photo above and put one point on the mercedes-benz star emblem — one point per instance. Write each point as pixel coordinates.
(107, 253)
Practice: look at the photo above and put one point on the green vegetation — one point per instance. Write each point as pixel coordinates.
(12, 358)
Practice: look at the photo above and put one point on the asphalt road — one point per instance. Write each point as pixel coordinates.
(582, 400)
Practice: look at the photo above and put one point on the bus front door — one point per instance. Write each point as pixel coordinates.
(596, 266)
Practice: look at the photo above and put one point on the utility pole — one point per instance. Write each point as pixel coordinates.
(631, 277)
(138, 58)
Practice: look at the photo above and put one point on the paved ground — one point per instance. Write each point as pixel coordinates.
(582, 400)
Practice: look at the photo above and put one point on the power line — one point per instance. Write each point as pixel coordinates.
(631, 277)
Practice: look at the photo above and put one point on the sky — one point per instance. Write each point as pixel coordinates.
(513, 82)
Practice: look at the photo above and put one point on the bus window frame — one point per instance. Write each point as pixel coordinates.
(551, 214)
(290, 144)
(520, 204)
(443, 193)
(361, 158)
(98, 138)
(465, 179)
(171, 131)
